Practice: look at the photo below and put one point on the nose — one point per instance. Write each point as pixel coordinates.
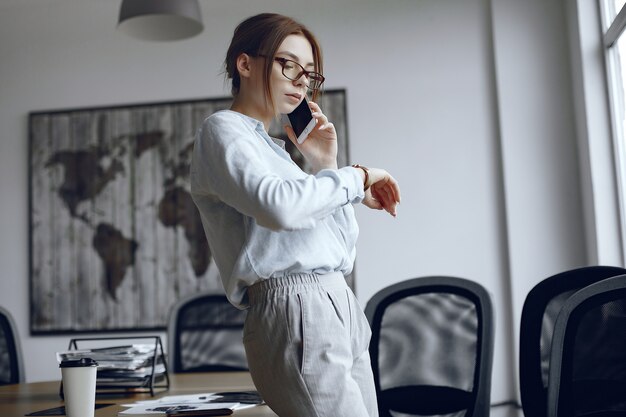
(302, 79)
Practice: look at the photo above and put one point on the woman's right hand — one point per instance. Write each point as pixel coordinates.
(383, 192)
(320, 147)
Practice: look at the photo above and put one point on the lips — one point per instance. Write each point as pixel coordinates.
(294, 97)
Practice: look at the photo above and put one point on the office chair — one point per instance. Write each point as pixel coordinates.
(539, 313)
(205, 333)
(588, 357)
(11, 365)
(432, 347)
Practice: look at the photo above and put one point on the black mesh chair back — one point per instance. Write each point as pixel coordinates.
(11, 366)
(432, 347)
(588, 360)
(205, 334)
(541, 307)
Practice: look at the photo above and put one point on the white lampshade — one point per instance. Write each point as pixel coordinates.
(160, 20)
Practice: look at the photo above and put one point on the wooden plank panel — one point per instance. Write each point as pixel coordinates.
(126, 308)
(81, 230)
(147, 139)
(162, 283)
(43, 196)
(64, 155)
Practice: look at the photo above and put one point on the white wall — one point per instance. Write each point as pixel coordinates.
(543, 201)
(466, 102)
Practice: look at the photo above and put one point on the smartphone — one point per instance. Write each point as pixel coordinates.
(301, 120)
(200, 413)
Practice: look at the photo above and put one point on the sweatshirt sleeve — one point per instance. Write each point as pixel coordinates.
(348, 227)
(231, 161)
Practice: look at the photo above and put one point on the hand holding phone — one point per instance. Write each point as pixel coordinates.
(301, 120)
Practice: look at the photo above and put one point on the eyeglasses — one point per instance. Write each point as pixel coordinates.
(293, 71)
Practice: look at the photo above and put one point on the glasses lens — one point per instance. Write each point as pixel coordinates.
(315, 80)
(294, 71)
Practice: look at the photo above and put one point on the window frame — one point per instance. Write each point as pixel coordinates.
(613, 28)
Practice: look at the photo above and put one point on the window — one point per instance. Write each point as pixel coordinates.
(614, 37)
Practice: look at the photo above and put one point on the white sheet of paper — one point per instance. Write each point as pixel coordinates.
(160, 409)
(182, 399)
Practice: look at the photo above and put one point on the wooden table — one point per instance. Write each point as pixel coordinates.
(20, 399)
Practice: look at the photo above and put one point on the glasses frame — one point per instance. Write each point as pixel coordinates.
(306, 73)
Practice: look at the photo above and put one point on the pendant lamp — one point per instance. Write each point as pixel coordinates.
(160, 20)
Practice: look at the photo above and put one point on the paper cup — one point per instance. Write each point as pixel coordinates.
(79, 387)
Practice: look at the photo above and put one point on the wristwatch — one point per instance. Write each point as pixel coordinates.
(366, 184)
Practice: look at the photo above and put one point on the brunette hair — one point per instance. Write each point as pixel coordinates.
(262, 35)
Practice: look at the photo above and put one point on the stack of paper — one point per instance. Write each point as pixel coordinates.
(121, 366)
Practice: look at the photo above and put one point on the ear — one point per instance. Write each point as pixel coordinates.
(244, 64)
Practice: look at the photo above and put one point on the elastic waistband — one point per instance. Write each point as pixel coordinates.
(294, 284)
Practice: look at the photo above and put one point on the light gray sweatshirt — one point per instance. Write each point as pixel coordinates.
(263, 216)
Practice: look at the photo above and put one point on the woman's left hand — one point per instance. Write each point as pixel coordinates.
(320, 147)
(383, 192)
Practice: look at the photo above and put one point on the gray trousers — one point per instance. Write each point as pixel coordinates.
(306, 341)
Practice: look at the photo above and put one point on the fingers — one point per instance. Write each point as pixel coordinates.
(375, 200)
(314, 107)
(323, 129)
(394, 188)
(371, 202)
(384, 196)
(385, 190)
(322, 120)
(382, 177)
(328, 126)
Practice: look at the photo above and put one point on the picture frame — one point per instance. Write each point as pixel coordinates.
(115, 239)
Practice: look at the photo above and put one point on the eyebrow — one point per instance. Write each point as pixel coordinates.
(294, 57)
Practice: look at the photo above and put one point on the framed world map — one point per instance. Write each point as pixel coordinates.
(115, 238)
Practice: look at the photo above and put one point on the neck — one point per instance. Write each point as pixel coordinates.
(251, 108)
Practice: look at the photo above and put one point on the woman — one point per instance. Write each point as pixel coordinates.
(282, 239)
